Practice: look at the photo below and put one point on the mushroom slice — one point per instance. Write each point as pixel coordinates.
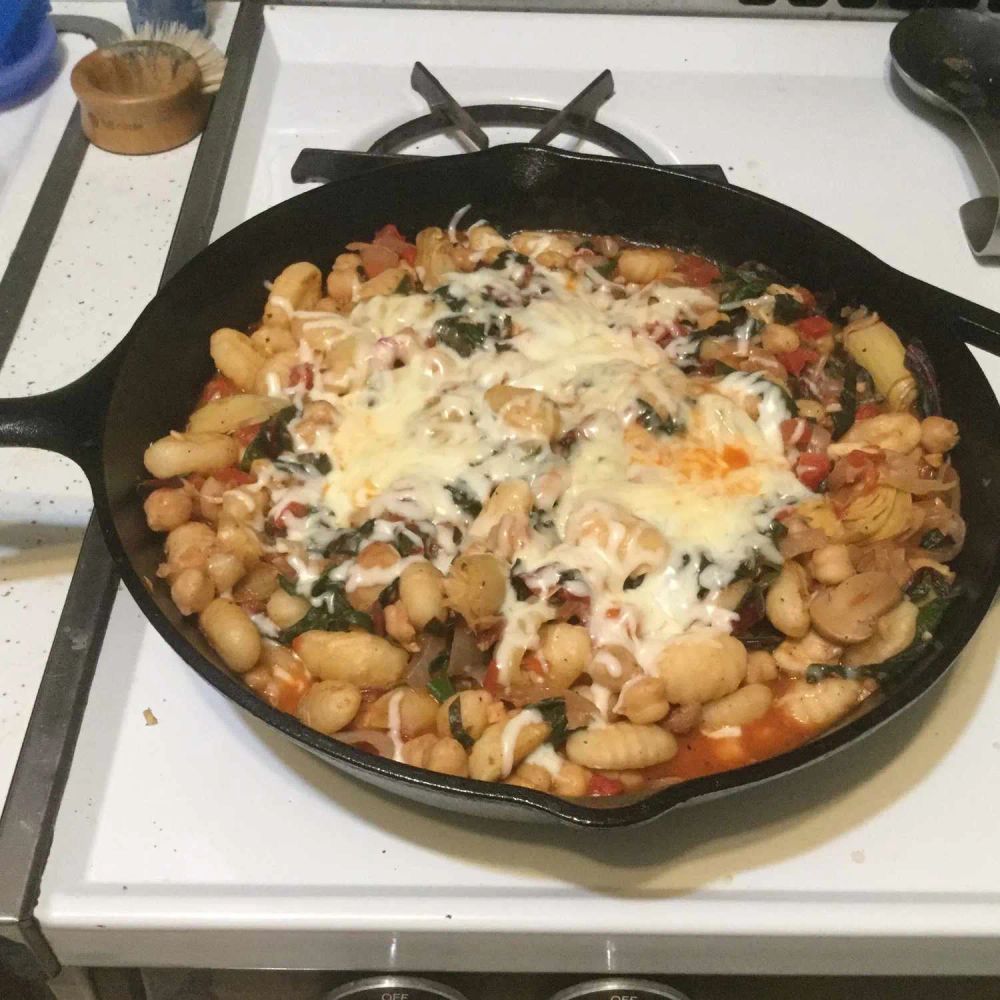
(847, 613)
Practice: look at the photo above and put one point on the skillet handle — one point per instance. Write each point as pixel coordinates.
(979, 327)
(69, 420)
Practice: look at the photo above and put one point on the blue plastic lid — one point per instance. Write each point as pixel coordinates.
(34, 67)
(20, 23)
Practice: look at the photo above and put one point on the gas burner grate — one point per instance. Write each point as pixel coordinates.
(577, 119)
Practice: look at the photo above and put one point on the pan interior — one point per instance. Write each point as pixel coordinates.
(518, 187)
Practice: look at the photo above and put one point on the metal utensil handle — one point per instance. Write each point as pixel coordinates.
(981, 216)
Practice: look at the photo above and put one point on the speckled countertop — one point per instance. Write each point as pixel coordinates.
(103, 267)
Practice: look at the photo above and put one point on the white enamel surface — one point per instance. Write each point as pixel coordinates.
(252, 853)
(102, 268)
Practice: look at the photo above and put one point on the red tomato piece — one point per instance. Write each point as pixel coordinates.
(232, 476)
(247, 433)
(376, 258)
(867, 410)
(216, 388)
(599, 785)
(291, 509)
(301, 374)
(796, 360)
(797, 431)
(492, 679)
(697, 271)
(812, 468)
(814, 327)
(808, 299)
(391, 238)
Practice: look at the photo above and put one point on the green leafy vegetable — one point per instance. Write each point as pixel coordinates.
(458, 730)
(607, 269)
(440, 685)
(272, 439)
(521, 590)
(464, 500)
(776, 530)
(843, 419)
(453, 302)
(405, 286)
(307, 462)
(507, 257)
(722, 328)
(787, 308)
(935, 539)
(928, 619)
(721, 368)
(926, 583)
(348, 543)
(389, 593)
(749, 281)
(653, 422)
(461, 335)
(405, 545)
(553, 711)
(335, 614)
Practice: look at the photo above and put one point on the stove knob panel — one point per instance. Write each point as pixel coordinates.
(394, 988)
(620, 989)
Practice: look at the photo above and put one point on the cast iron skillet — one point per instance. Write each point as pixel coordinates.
(149, 385)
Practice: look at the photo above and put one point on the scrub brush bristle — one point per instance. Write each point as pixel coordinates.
(211, 62)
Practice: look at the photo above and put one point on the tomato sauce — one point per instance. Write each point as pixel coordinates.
(699, 755)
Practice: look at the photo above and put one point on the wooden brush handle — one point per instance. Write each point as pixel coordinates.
(140, 97)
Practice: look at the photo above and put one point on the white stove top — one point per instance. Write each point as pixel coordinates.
(252, 853)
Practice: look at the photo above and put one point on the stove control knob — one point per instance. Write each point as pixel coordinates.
(620, 989)
(394, 988)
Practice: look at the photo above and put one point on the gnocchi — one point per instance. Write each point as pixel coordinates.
(564, 512)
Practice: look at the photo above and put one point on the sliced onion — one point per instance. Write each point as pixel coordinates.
(466, 658)
(916, 485)
(431, 647)
(807, 540)
(379, 741)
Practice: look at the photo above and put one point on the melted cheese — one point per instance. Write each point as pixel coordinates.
(413, 424)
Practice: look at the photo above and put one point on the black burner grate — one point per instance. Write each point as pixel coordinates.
(577, 118)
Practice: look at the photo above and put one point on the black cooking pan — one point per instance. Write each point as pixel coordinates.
(149, 385)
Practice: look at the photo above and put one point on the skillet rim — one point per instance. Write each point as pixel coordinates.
(499, 800)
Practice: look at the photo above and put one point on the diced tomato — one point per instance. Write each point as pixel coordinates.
(376, 258)
(808, 299)
(599, 785)
(812, 468)
(492, 679)
(697, 271)
(867, 410)
(301, 374)
(232, 476)
(291, 509)
(735, 458)
(391, 238)
(814, 327)
(247, 433)
(217, 388)
(797, 431)
(796, 360)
